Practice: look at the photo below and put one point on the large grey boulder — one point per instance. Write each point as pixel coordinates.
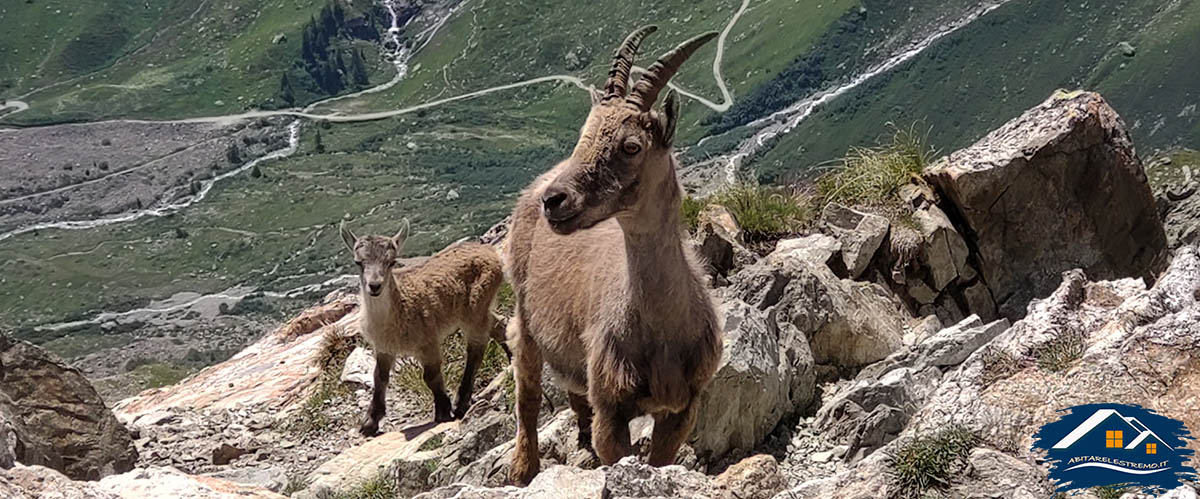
(847, 323)
(1058, 188)
(56, 418)
(766, 373)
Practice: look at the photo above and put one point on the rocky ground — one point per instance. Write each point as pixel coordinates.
(1035, 274)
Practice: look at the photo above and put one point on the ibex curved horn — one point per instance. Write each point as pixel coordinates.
(618, 77)
(645, 92)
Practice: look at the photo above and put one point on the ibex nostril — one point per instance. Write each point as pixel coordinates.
(374, 288)
(553, 200)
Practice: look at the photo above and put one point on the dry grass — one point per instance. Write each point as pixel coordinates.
(765, 213)
(871, 176)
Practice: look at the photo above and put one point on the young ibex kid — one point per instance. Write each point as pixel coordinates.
(409, 311)
(607, 293)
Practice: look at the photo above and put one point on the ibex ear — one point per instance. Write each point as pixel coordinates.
(402, 235)
(670, 117)
(347, 237)
(596, 95)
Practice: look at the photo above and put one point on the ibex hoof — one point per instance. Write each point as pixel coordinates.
(442, 418)
(369, 428)
(461, 411)
(521, 477)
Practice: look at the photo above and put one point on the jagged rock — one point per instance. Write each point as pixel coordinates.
(496, 235)
(876, 409)
(943, 251)
(1059, 187)
(847, 323)
(859, 234)
(272, 478)
(718, 241)
(1137, 346)
(44, 483)
(754, 478)
(555, 481)
(55, 417)
(766, 373)
(359, 368)
(946, 348)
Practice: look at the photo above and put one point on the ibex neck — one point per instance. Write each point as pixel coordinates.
(654, 246)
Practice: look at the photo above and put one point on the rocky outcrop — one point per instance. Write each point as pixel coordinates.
(766, 373)
(858, 233)
(1058, 188)
(273, 373)
(885, 395)
(50, 415)
(1088, 342)
(718, 243)
(847, 323)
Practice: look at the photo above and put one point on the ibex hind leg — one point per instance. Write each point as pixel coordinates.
(467, 385)
(431, 363)
(378, 407)
(583, 416)
(670, 431)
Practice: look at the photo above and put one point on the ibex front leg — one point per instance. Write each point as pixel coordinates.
(670, 431)
(527, 369)
(378, 407)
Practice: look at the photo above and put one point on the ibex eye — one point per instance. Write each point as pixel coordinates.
(631, 147)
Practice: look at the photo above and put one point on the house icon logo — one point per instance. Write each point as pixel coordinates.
(1113, 444)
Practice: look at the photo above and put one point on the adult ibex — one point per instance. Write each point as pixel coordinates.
(409, 311)
(607, 293)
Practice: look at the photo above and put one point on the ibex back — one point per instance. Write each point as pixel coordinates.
(607, 294)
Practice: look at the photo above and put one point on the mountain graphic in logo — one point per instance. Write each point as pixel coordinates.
(1113, 444)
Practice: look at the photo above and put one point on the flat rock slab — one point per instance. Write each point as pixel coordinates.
(272, 373)
(378, 455)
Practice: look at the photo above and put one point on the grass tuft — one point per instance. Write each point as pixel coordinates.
(1058, 354)
(998, 364)
(381, 486)
(765, 213)
(690, 209)
(928, 462)
(330, 360)
(871, 176)
(434, 443)
(1109, 492)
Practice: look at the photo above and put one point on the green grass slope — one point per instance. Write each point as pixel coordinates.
(125, 59)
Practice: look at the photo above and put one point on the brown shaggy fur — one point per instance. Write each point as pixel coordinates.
(607, 293)
(409, 311)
